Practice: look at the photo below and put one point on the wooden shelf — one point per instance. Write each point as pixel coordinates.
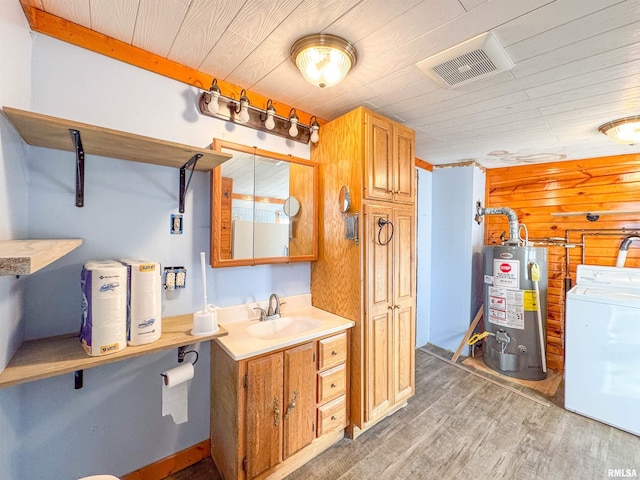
(51, 132)
(22, 257)
(49, 357)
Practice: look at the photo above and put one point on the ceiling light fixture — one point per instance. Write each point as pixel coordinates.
(293, 119)
(624, 130)
(323, 59)
(314, 127)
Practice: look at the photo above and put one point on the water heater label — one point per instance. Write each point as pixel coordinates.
(506, 273)
(530, 301)
(506, 307)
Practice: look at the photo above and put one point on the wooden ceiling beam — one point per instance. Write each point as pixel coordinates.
(424, 165)
(61, 29)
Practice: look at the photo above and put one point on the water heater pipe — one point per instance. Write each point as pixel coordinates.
(514, 236)
(535, 278)
(624, 247)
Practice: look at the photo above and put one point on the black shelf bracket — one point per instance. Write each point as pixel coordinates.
(77, 143)
(78, 379)
(183, 173)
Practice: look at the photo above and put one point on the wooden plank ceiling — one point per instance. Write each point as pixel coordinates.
(577, 64)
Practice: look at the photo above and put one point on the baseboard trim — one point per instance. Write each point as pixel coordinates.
(173, 463)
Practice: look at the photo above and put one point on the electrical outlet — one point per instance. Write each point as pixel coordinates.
(169, 279)
(174, 277)
(176, 224)
(181, 277)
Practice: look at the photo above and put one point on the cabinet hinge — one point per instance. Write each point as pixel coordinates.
(313, 426)
(244, 464)
(314, 357)
(245, 380)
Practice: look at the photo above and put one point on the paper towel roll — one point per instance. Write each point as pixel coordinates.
(175, 396)
(144, 319)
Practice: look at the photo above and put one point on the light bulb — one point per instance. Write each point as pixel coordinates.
(293, 130)
(315, 127)
(243, 116)
(213, 106)
(270, 122)
(293, 118)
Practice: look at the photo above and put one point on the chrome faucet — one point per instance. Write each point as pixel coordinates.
(263, 313)
(274, 311)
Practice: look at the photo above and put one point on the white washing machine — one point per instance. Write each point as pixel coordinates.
(602, 346)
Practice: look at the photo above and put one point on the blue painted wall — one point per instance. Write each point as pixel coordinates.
(423, 248)
(456, 243)
(114, 424)
(15, 65)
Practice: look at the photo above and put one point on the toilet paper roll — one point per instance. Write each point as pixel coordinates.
(175, 395)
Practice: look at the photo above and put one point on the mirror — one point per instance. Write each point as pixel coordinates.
(263, 208)
(345, 199)
(291, 207)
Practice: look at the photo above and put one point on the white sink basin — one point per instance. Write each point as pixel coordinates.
(282, 327)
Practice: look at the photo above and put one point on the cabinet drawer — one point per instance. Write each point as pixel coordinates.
(332, 416)
(332, 351)
(332, 383)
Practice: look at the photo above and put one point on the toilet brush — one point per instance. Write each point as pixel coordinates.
(204, 280)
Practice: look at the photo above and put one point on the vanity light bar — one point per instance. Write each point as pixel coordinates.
(214, 104)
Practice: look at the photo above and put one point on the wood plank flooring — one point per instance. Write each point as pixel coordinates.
(459, 425)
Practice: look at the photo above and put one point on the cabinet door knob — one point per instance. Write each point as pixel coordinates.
(292, 405)
(333, 385)
(334, 353)
(396, 306)
(390, 307)
(334, 418)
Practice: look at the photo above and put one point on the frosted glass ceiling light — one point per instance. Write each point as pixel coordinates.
(293, 119)
(243, 113)
(624, 130)
(270, 122)
(323, 59)
(314, 128)
(212, 105)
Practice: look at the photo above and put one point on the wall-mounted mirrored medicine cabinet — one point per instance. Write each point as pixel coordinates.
(263, 207)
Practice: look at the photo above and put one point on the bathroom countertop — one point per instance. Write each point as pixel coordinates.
(240, 344)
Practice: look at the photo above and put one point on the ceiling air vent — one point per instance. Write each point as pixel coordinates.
(476, 58)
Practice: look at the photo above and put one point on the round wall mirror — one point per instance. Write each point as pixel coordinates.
(291, 207)
(345, 199)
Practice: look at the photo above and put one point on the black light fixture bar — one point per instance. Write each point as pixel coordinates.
(257, 117)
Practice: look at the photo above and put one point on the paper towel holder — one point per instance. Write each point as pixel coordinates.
(181, 353)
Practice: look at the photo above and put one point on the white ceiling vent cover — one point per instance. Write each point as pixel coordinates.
(472, 60)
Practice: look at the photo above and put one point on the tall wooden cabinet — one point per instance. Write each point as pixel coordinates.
(372, 282)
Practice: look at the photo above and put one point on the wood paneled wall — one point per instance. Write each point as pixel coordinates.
(301, 181)
(536, 192)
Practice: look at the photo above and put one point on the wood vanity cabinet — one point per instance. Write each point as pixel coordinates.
(268, 411)
(371, 283)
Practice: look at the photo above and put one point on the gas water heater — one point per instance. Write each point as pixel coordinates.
(515, 304)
